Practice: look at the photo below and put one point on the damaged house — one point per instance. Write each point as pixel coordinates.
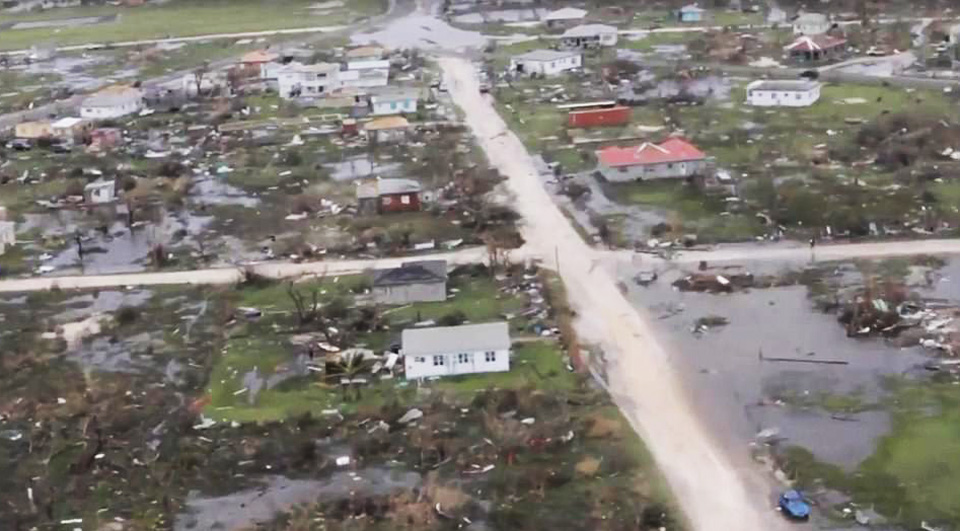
(424, 281)
(452, 350)
(811, 24)
(380, 196)
(566, 17)
(816, 47)
(389, 129)
(674, 158)
(546, 62)
(112, 102)
(783, 93)
(589, 36)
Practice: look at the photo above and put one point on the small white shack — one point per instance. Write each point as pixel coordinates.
(546, 62)
(394, 101)
(783, 93)
(8, 231)
(450, 350)
(811, 24)
(100, 191)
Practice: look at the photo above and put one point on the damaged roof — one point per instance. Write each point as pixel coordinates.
(378, 187)
(113, 95)
(422, 272)
(674, 149)
(544, 55)
(589, 30)
(388, 122)
(815, 43)
(258, 56)
(483, 337)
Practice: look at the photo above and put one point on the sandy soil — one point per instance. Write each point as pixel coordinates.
(710, 489)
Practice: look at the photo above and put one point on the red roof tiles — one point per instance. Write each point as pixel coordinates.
(674, 149)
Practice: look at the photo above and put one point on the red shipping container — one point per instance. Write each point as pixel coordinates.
(599, 117)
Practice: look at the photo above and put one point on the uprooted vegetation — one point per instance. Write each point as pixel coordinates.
(140, 418)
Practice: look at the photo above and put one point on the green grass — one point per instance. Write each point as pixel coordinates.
(914, 474)
(479, 299)
(650, 40)
(180, 18)
(537, 365)
(674, 196)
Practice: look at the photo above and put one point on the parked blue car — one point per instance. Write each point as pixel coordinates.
(794, 506)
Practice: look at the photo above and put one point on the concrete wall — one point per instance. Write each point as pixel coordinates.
(782, 98)
(451, 364)
(406, 294)
(674, 170)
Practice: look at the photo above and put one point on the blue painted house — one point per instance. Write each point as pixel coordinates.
(690, 13)
(394, 101)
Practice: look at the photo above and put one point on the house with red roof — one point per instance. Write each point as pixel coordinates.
(816, 47)
(674, 158)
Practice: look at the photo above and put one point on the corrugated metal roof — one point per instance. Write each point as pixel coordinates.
(483, 337)
(589, 30)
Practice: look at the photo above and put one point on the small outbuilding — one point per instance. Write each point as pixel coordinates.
(100, 191)
(690, 13)
(424, 281)
(811, 24)
(783, 93)
(70, 129)
(451, 350)
(380, 196)
(599, 117)
(546, 62)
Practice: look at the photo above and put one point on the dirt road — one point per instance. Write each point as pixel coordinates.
(711, 491)
(230, 275)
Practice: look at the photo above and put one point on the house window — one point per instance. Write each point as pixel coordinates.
(405, 199)
(419, 359)
(463, 358)
(798, 95)
(622, 170)
(387, 200)
(490, 357)
(438, 361)
(393, 105)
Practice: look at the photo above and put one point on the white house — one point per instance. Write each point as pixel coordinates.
(811, 24)
(589, 36)
(394, 101)
(545, 62)
(112, 102)
(305, 81)
(100, 191)
(783, 93)
(566, 17)
(366, 74)
(450, 350)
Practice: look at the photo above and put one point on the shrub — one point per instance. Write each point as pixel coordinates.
(453, 318)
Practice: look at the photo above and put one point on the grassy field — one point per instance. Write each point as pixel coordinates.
(914, 474)
(179, 18)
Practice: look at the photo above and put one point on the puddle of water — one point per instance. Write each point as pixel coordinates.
(123, 250)
(421, 31)
(360, 167)
(729, 381)
(212, 191)
(259, 505)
